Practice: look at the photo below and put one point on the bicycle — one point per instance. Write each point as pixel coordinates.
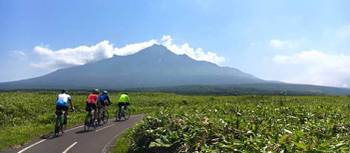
(103, 115)
(90, 120)
(59, 124)
(124, 113)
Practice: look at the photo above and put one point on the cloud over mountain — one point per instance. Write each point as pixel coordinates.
(60, 58)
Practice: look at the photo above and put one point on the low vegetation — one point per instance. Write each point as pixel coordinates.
(178, 123)
(246, 124)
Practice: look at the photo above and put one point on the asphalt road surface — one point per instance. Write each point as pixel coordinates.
(75, 140)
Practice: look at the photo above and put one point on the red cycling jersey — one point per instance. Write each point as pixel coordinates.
(92, 99)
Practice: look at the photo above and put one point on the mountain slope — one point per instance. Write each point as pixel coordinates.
(155, 66)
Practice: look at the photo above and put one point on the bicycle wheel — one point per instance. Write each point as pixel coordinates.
(94, 121)
(126, 114)
(87, 122)
(117, 115)
(99, 117)
(63, 119)
(57, 125)
(105, 116)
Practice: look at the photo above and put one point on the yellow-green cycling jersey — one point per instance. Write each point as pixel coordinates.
(123, 98)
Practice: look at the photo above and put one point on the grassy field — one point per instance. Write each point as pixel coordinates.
(178, 123)
(243, 124)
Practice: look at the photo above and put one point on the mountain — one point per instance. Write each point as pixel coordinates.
(152, 67)
(158, 69)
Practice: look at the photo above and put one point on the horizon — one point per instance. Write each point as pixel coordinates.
(271, 40)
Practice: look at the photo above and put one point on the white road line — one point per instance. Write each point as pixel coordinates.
(74, 128)
(26, 148)
(104, 128)
(70, 147)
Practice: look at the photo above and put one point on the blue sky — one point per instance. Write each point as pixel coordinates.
(294, 41)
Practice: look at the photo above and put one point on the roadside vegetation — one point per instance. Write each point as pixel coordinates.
(245, 124)
(179, 123)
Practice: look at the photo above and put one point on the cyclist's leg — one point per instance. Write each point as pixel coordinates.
(89, 114)
(126, 111)
(58, 123)
(103, 113)
(95, 111)
(103, 109)
(65, 108)
(58, 113)
(58, 110)
(98, 111)
(119, 108)
(123, 109)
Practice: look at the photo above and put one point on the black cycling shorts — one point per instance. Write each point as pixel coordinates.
(90, 107)
(120, 104)
(59, 108)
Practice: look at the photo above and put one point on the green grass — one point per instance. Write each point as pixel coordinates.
(28, 115)
(179, 123)
(123, 142)
(246, 124)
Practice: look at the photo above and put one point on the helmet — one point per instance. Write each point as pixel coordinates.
(105, 92)
(64, 91)
(96, 91)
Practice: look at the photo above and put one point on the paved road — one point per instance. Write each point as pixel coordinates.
(75, 140)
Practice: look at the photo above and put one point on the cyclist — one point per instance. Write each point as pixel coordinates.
(91, 101)
(62, 104)
(103, 101)
(124, 100)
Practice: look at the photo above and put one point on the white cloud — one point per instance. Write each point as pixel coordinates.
(72, 56)
(195, 53)
(83, 54)
(283, 44)
(17, 54)
(133, 48)
(316, 67)
(55, 59)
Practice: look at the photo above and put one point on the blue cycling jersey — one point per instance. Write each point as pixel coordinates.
(103, 97)
(61, 102)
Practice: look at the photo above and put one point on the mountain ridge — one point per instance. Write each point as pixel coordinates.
(157, 68)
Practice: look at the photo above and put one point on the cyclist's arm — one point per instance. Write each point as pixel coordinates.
(71, 103)
(109, 101)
